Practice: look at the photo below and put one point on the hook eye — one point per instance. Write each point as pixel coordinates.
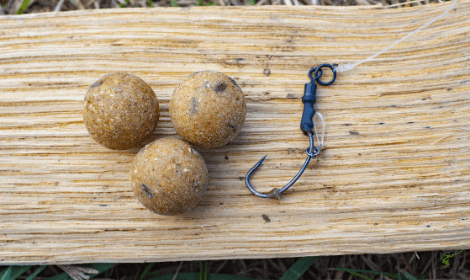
(318, 70)
(313, 154)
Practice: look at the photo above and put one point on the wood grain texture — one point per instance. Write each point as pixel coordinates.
(394, 175)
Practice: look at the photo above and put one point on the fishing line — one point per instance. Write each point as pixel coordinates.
(350, 66)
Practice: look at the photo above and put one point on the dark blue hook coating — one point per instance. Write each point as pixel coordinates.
(306, 125)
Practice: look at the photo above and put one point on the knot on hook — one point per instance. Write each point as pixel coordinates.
(316, 151)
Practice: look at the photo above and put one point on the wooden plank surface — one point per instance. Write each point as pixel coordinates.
(393, 176)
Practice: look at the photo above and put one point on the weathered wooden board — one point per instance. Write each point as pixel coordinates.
(394, 174)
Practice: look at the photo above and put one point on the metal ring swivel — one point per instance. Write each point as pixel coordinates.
(318, 72)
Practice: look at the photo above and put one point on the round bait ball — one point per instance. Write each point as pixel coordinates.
(208, 109)
(169, 176)
(120, 111)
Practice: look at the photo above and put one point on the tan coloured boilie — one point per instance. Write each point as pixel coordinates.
(120, 111)
(208, 109)
(169, 176)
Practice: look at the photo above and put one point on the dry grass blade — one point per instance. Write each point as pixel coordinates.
(219, 268)
(402, 271)
(274, 264)
(464, 260)
(369, 262)
(407, 3)
(265, 269)
(403, 259)
(80, 5)
(13, 6)
(48, 5)
(59, 6)
(177, 271)
(427, 266)
(78, 272)
(339, 273)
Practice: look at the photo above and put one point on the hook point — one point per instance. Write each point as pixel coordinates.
(261, 161)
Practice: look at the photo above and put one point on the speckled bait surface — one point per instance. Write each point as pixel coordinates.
(208, 109)
(120, 110)
(169, 176)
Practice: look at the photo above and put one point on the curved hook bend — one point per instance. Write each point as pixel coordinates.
(312, 152)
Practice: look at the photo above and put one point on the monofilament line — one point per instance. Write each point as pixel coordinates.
(350, 66)
(322, 137)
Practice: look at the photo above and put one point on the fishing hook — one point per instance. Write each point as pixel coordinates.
(307, 127)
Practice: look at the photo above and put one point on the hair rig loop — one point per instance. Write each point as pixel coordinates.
(307, 126)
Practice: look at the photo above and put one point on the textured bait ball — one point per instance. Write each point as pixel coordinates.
(169, 176)
(208, 109)
(120, 110)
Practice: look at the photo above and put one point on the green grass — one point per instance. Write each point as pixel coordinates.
(399, 275)
(294, 272)
(23, 7)
(298, 268)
